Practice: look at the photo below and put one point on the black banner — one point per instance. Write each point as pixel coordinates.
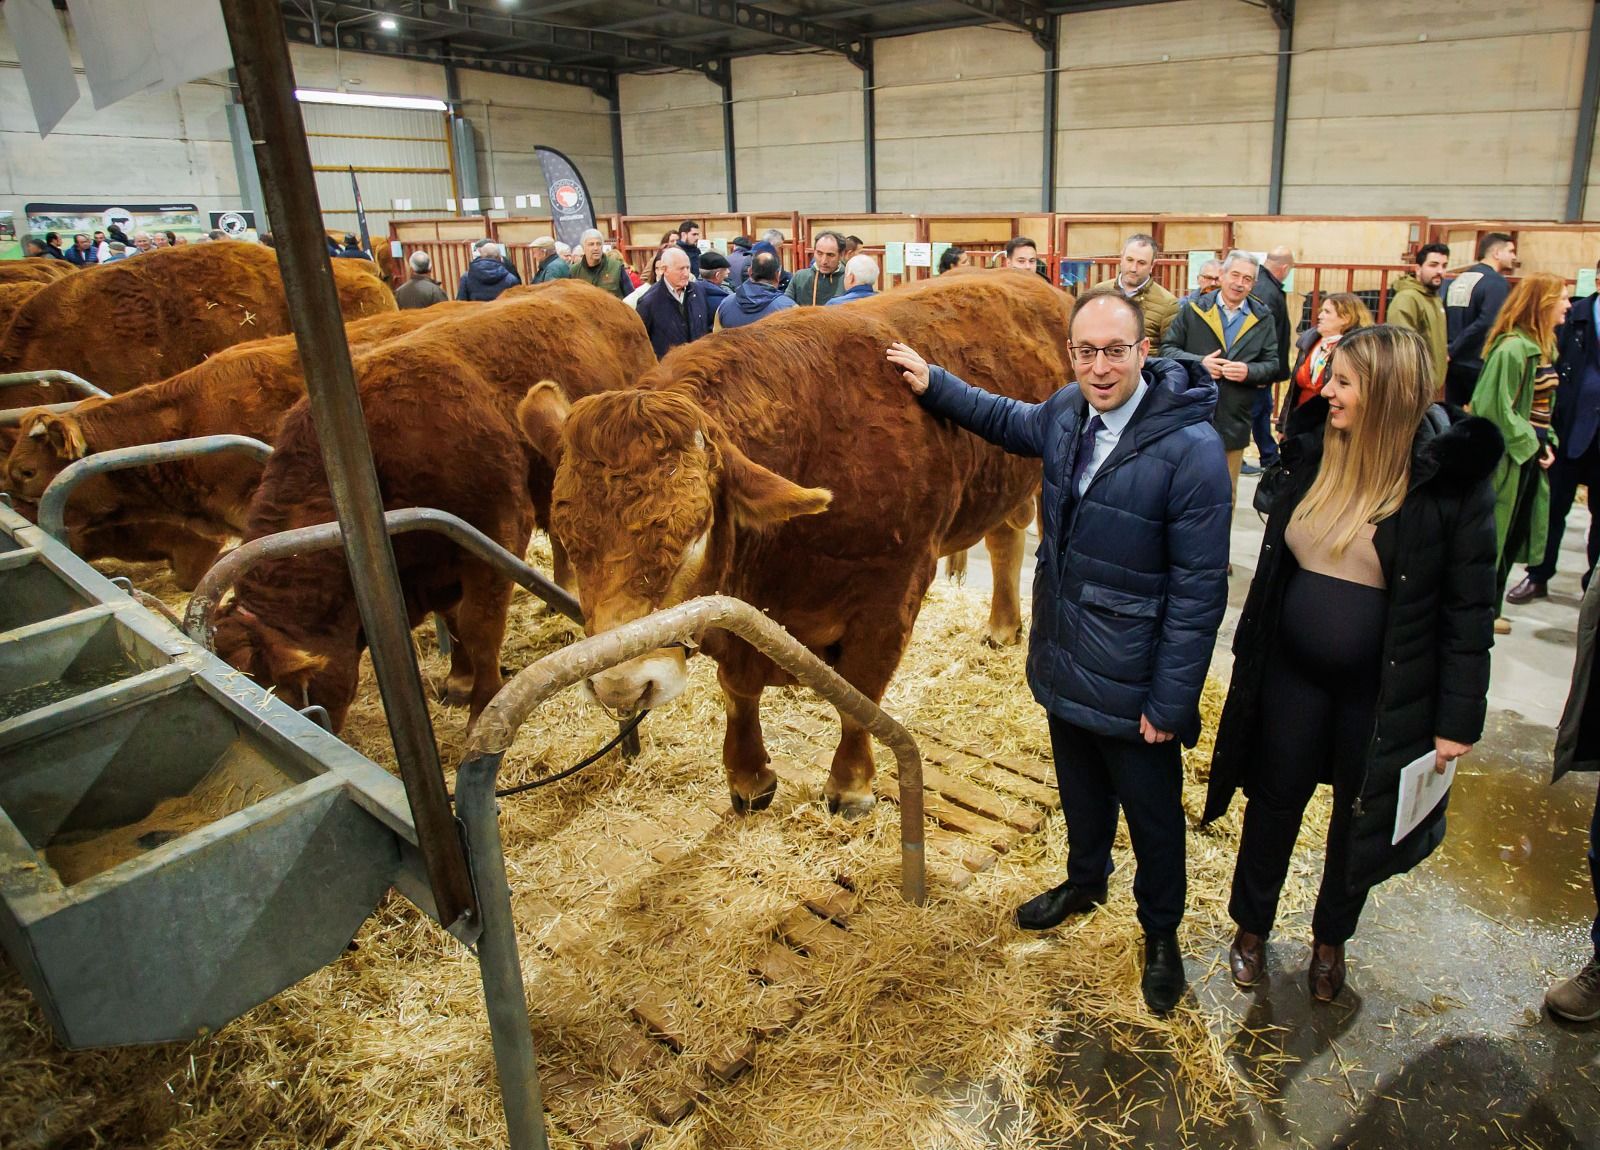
(571, 210)
(361, 212)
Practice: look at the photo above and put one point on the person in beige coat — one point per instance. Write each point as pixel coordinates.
(1418, 305)
(1136, 280)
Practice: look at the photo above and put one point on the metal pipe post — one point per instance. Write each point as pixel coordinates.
(499, 965)
(1283, 15)
(266, 88)
(1052, 88)
(725, 80)
(618, 167)
(869, 125)
(1583, 145)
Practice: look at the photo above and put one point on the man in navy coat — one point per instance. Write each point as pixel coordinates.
(675, 309)
(1128, 593)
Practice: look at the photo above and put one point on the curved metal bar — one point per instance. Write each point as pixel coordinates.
(67, 379)
(505, 714)
(324, 536)
(53, 503)
(12, 416)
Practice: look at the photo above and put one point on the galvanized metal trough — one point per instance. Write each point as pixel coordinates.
(176, 845)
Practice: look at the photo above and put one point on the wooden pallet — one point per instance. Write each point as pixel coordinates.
(973, 823)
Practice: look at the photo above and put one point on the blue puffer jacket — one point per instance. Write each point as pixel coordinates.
(1131, 581)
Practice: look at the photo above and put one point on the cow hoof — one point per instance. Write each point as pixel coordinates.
(855, 808)
(457, 694)
(759, 802)
(1002, 639)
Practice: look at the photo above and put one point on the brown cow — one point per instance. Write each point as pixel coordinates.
(244, 390)
(786, 464)
(441, 409)
(13, 296)
(35, 270)
(129, 323)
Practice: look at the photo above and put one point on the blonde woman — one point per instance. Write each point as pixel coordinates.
(1514, 392)
(1364, 643)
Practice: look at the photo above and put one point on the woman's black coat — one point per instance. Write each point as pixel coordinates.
(1438, 557)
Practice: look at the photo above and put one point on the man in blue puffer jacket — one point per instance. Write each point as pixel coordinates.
(1128, 593)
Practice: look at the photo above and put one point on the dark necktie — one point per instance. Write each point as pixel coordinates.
(1085, 452)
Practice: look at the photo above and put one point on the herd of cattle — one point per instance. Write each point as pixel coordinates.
(783, 463)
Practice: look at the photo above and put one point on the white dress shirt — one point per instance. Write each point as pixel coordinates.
(1112, 424)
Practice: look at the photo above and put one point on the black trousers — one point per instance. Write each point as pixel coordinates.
(1519, 529)
(1459, 384)
(1566, 476)
(1097, 772)
(1318, 706)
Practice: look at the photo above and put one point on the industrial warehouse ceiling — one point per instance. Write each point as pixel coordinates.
(589, 43)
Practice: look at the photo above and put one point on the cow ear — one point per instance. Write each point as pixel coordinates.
(61, 432)
(763, 498)
(541, 415)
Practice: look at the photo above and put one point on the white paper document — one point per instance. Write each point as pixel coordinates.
(1421, 788)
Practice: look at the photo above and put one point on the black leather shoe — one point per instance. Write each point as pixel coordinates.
(1164, 982)
(1043, 911)
(1527, 591)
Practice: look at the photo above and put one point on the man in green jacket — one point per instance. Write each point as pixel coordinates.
(548, 262)
(1136, 280)
(1418, 305)
(1233, 338)
(824, 279)
(600, 267)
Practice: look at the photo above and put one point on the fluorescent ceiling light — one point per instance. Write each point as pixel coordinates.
(388, 24)
(364, 100)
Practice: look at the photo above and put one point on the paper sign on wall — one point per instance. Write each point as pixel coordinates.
(401, 205)
(1197, 260)
(533, 201)
(919, 255)
(1585, 282)
(499, 203)
(469, 203)
(894, 258)
(449, 205)
(522, 201)
(397, 249)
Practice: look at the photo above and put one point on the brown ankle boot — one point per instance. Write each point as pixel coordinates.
(1247, 958)
(1326, 973)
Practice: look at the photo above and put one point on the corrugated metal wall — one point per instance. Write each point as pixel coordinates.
(397, 155)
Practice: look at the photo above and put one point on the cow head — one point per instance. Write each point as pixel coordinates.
(649, 496)
(45, 444)
(290, 667)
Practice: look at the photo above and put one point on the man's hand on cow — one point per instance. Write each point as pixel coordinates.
(1151, 735)
(913, 368)
(1234, 371)
(1213, 364)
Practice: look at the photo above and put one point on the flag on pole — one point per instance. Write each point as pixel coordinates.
(361, 213)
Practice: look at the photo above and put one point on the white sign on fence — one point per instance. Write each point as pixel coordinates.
(919, 255)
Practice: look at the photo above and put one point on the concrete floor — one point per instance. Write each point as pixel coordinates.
(1440, 1038)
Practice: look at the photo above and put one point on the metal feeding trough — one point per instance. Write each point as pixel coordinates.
(176, 845)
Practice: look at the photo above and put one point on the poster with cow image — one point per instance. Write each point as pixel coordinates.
(10, 244)
(183, 220)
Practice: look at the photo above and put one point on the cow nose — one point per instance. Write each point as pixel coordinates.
(620, 692)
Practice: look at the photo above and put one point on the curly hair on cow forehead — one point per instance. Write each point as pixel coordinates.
(635, 482)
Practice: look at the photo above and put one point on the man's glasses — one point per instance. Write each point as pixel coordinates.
(1084, 354)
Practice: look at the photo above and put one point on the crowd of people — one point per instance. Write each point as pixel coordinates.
(111, 245)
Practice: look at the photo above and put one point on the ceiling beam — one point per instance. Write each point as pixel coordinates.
(799, 30)
(400, 47)
(424, 22)
(1031, 18)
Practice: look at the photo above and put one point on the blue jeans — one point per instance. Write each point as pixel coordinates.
(1261, 425)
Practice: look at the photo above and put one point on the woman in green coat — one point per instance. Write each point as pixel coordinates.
(1514, 393)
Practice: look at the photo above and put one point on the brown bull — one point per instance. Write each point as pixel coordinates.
(13, 296)
(441, 408)
(125, 324)
(35, 270)
(201, 502)
(785, 463)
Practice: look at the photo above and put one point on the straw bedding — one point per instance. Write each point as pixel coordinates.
(929, 1027)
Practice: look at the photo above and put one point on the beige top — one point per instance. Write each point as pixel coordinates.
(1358, 564)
